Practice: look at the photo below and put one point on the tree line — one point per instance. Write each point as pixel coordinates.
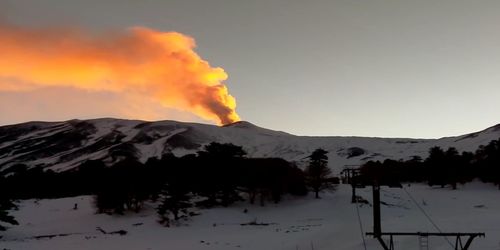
(218, 175)
(442, 167)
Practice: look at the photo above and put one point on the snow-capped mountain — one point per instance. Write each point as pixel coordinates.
(63, 145)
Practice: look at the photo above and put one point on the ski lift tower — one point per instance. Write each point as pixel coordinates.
(362, 181)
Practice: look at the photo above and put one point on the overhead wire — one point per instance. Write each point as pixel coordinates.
(428, 217)
(360, 223)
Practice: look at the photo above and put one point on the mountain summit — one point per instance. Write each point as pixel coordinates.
(240, 124)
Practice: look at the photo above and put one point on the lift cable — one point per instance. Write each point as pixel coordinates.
(428, 217)
(360, 224)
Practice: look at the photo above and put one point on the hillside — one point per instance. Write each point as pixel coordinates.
(63, 145)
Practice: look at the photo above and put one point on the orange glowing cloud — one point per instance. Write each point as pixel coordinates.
(161, 66)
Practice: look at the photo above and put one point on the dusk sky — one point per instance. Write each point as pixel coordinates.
(423, 69)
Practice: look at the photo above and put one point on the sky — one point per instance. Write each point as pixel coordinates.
(420, 69)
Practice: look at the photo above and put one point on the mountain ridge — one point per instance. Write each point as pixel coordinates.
(64, 145)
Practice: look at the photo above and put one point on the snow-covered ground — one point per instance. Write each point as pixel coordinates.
(303, 223)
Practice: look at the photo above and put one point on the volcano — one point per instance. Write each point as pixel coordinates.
(61, 146)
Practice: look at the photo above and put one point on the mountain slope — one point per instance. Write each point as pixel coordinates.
(63, 145)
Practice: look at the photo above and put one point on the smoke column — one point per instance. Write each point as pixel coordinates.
(161, 66)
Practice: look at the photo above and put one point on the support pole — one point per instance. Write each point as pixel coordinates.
(353, 198)
(382, 243)
(469, 241)
(458, 243)
(377, 226)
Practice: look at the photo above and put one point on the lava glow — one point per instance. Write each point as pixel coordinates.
(161, 66)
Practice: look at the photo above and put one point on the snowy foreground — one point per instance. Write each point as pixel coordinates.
(307, 223)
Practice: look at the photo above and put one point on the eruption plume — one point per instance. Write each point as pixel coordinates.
(161, 66)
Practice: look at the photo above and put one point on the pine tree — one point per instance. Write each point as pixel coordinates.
(436, 165)
(318, 172)
(6, 205)
(220, 169)
(452, 166)
(174, 204)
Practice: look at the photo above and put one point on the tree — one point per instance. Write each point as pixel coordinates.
(5, 205)
(318, 172)
(219, 168)
(121, 187)
(174, 203)
(222, 150)
(270, 178)
(452, 160)
(435, 164)
(488, 161)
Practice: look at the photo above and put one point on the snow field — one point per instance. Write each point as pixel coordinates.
(295, 223)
